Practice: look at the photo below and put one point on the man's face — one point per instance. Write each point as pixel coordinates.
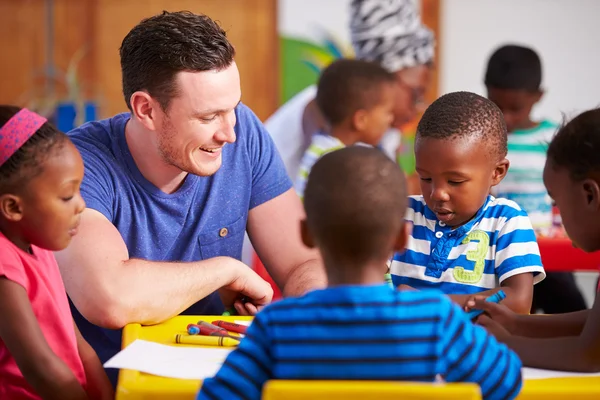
(200, 120)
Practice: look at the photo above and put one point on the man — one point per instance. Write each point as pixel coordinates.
(171, 187)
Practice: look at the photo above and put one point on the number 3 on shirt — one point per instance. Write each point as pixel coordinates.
(478, 256)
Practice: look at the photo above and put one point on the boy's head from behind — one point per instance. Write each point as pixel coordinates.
(355, 201)
(357, 97)
(460, 152)
(513, 79)
(572, 177)
(40, 174)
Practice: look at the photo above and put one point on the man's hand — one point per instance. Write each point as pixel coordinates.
(249, 286)
(406, 287)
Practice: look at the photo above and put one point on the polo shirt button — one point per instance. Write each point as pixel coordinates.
(439, 235)
(442, 223)
(223, 232)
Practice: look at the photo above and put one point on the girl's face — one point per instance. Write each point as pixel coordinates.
(578, 203)
(51, 204)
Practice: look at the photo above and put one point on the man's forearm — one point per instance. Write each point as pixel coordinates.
(305, 277)
(150, 292)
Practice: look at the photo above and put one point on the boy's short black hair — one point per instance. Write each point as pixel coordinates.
(348, 85)
(576, 145)
(159, 47)
(355, 201)
(514, 67)
(465, 114)
(26, 162)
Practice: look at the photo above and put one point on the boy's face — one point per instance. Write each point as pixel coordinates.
(515, 104)
(579, 205)
(375, 121)
(456, 176)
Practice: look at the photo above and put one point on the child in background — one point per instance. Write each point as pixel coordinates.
(513, 80)
(464, 241)
(42, 354)
(357, 100)
(568, 341)
(360, 328)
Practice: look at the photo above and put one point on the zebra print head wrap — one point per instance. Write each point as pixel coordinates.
(390, 32)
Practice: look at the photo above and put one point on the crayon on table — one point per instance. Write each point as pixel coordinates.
(231, 327)
(211, 327)
(193, 329)
(206, 340)
(495, 298)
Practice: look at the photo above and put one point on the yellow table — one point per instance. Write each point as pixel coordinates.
(134, 385)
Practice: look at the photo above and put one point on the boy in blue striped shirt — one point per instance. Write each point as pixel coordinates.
(464, 241)
(359, 327)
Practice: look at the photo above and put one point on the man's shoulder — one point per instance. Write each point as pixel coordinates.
(98, 136)
(246, 119)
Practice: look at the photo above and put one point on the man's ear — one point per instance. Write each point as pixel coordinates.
(500, 171)
(11, 207)
(402, 238)
(305, 235)
(144, 107)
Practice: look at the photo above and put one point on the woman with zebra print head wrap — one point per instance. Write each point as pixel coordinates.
(386, 31)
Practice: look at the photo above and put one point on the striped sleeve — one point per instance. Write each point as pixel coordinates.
(469, 354)
(517, 251)
(315, 151)
(245, 370)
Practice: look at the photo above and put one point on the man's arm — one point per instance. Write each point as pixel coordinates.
(274, 229)
(112, 290)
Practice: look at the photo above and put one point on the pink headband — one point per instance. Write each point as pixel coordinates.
(17, 131)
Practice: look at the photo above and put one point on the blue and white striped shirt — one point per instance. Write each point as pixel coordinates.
(496, 244)
(365, 333)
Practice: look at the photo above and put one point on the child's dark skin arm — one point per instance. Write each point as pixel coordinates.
(42, 368)
(572, 353)
(98, 385)
(518, 290)
(535, 326)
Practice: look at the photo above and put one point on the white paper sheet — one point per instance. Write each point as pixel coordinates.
(534, 373)
(170, 361)
(201, 362)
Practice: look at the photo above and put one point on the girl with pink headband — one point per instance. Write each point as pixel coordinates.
(42, 354)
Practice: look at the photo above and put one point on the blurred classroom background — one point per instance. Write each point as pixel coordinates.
(60, 57)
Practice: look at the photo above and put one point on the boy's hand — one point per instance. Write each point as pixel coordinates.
(471, 302)
(498, 313)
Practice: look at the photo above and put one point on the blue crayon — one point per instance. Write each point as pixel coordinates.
(193, 330)
(495, 298)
